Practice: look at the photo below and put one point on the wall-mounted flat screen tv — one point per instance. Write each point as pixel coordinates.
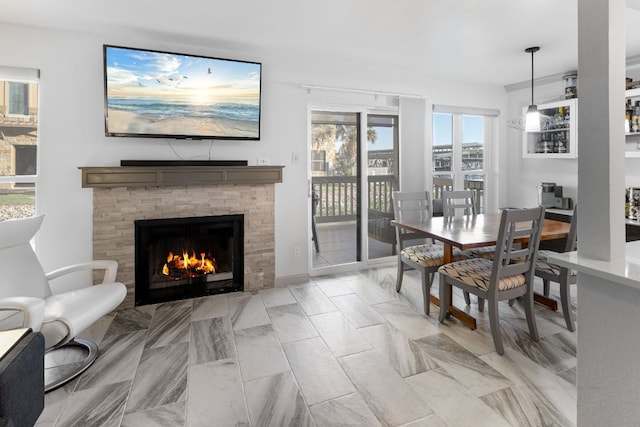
(156, 94)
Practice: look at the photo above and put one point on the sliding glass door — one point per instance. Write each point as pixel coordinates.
(335, 183)
(382, 180)
(347, 225)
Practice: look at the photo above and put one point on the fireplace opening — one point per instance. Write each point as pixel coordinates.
(179, 258)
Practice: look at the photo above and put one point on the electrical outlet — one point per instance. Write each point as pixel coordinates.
(296, 251)
(261, 161)
(295, 158)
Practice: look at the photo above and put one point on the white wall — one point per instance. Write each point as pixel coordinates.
(72, 127)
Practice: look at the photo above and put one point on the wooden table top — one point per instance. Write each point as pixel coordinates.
(467, 232)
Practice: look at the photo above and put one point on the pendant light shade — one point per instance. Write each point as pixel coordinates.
(532, 121)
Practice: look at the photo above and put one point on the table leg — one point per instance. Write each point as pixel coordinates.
(546, 301)
(465, 318)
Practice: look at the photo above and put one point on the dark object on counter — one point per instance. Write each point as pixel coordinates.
(22, 381)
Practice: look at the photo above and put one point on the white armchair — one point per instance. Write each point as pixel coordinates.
(29, 299)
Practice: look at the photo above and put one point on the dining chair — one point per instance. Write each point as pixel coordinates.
(452, 201)
(508, 276)
(565, 277)
(424, 257)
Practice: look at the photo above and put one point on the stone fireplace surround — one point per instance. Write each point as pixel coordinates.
(122, 195)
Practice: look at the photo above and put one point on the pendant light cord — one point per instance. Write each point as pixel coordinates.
(532, 50)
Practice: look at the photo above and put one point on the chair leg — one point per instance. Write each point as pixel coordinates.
(480, 304)
(565, 300)
(467, 299)
(546, 287)
(530, 314)
(427, 280)
(511, 302)
(399, 275)
(494, 323)
(444, 299)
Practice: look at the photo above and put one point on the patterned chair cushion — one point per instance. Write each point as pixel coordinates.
(543, 265)
(477, 272)
(429, 255)
(549, 268)
(487, 252)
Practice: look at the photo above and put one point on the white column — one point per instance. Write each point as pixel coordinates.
(601, 163)
(608, 333)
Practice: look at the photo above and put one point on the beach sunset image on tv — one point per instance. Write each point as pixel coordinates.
(162, 94)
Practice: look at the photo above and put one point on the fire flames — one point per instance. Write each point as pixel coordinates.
(185, 265)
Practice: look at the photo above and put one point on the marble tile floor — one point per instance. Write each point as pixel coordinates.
(339, 350)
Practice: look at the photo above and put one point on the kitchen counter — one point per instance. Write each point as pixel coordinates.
(625, 271)
(632, 226)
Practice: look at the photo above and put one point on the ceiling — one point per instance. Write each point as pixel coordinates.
(465, 40)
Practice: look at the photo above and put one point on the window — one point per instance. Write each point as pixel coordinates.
(18, 98)
(459, 145)
(318, 160)
(18, 142)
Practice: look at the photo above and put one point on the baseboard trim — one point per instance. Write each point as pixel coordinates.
(291, 280)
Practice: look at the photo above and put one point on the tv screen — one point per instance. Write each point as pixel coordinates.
(170, 95)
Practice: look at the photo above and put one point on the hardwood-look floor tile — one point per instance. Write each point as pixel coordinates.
(215, 395)
(339, 334)
(400, 352)
(369, 291)
(383, 389)
(169, 327)
(470, 371)
(151, 390)
(210, 307)
(276, 296)
(312, 300)
(452, 402)
(131, 320)
(276, 401)
(173, 415)
(455, 372)
(247, 311)
(358, 313)
(259, 352)
(290, 323)
(547, 398)
(117, 362)
(99, 406)
(332, 286)
(211, 339)
(318, 373)
(350, 410)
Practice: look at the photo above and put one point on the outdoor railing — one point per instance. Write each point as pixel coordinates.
(338, 199)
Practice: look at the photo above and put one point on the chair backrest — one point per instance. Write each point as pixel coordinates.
(572, 238)
(21, 273)
(453, 201)
(410, 206)
(517, 225)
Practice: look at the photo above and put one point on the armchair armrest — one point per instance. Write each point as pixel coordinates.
(110, 267)
(32, 308)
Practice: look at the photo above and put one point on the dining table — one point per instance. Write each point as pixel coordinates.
(473, 231)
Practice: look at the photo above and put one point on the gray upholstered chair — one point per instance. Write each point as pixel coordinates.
(509, 275)
(425, 257)
(565, 277)
(29, 298)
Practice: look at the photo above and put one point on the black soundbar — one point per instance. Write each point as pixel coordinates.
(183, 163)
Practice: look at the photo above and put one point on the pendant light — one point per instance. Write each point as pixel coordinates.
(533, 120)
